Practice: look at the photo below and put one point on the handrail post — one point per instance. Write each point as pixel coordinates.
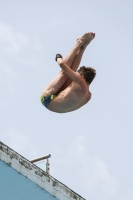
(47, 162)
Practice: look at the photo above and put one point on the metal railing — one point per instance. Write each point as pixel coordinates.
(43, 158)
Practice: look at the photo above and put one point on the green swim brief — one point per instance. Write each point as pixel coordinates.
(46, 100)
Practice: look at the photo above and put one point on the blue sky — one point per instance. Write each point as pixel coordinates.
(91, 148)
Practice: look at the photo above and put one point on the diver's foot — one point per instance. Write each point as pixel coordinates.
(91, 37)
(86, 37)
(81, 40)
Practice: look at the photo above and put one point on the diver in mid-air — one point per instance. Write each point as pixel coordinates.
(69, 90)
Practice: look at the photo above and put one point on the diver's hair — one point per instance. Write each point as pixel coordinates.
(88, 72)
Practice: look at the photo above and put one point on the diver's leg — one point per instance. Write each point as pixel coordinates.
(55, 85)
(79, 42)
(77, 60)
(80, 52)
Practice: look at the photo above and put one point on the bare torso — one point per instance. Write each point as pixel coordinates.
(72, 98)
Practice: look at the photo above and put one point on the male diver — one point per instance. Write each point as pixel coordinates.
(69, 90)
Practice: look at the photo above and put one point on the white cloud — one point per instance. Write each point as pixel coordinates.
(7, 76)
(91, 172)
(12, 42)
(16, 50)
(19, 142)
